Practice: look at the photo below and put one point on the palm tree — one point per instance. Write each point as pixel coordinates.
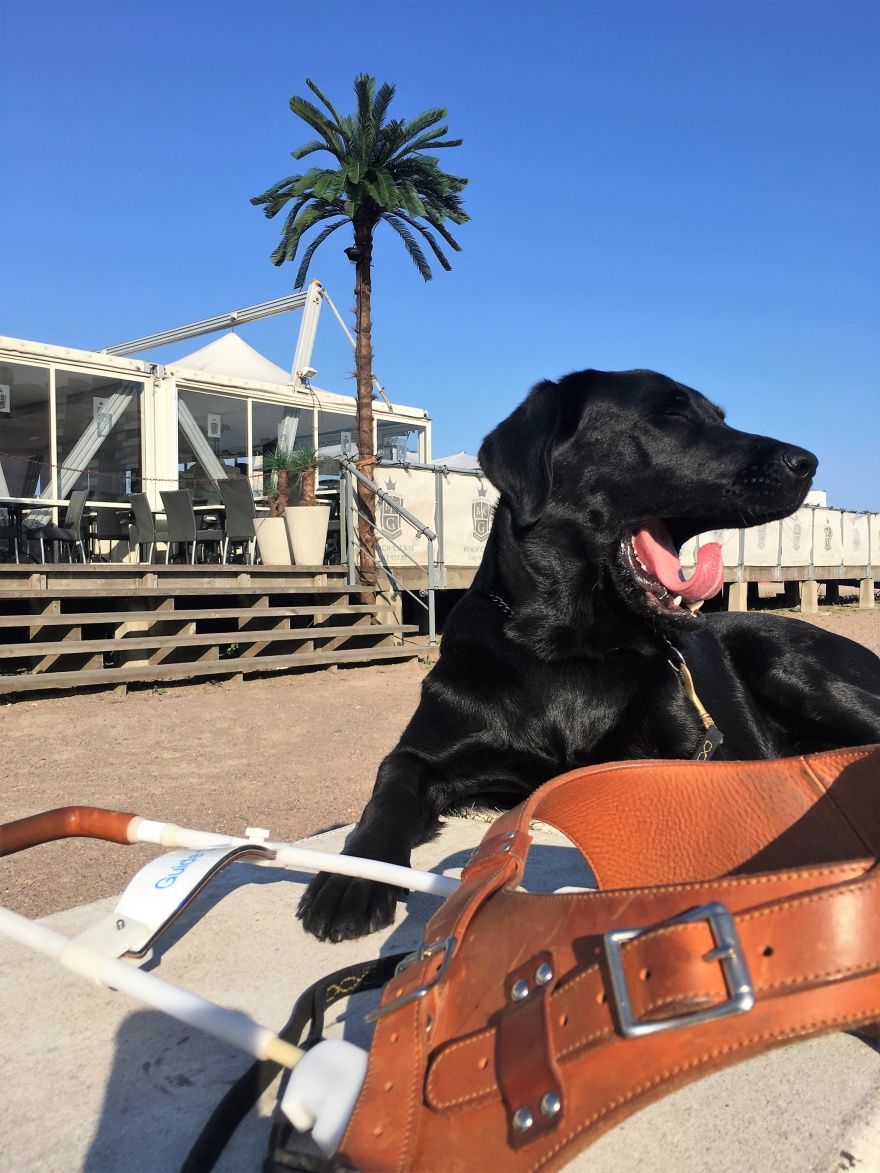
(381, 173)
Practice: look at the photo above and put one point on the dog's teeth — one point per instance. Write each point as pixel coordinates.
(676, 602)
(695, 606)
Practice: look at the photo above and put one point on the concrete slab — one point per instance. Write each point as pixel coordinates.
(91, 1081)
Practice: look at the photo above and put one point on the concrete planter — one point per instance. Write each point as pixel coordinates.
(307, 526)
(272, 541)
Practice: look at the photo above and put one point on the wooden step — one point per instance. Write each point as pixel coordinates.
(176, 590)
(237, 667)
(165, 615)
(69, 647)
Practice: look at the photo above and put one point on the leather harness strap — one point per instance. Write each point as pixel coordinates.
(537, 1021)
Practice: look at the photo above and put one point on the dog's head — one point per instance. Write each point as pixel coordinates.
(620, 468)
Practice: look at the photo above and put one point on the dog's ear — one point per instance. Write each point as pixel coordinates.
(517, 456)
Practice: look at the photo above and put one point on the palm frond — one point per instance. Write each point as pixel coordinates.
(273, 194)
(323, 98)
(291, 217)
(430, 237)
(303, 269)
(317, 121)
(313, 214)
(328, 183)
(410, 198)
(381, 102)
(387, 195)
(412, 247)
(421, 122)
(438, 225)
(427, 143)
(365, 90)
(309, 148)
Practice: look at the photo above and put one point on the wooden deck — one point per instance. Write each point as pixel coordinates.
(68, 626)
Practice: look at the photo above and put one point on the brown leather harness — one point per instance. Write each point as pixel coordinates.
(738, 908)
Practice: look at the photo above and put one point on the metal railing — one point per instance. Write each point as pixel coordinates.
(349, 513)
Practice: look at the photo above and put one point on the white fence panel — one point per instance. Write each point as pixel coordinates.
(855, 538)
(797, 538)
(468, 506)
(762, 545)
(827, 543)
(413, 488)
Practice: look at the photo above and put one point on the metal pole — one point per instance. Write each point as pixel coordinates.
(351, 527)
(440, 524)
(251, 313)
(432, 618)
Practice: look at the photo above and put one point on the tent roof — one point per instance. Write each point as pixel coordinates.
(232, 357)
(459, 460)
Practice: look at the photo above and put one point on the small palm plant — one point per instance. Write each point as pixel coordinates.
(283, 468)
(305, 467)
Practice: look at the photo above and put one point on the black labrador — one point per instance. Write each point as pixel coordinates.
(559, 654)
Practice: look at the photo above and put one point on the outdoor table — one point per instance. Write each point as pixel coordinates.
(19, 506)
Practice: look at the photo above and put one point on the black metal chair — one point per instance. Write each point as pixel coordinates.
(8, 534)
(112, 525)
(145, 531)
(70, 532)
(182, 527)
(238, 502)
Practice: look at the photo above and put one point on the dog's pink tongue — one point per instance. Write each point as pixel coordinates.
(657, 554)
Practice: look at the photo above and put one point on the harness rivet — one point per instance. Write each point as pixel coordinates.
(505, 847)
(551, 1104)
(523, 1119)
(510, 834)
(519, 990)
(544, 973)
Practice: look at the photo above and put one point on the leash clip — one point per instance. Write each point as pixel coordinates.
(713, 737)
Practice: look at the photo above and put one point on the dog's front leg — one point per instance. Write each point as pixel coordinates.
(402, 812)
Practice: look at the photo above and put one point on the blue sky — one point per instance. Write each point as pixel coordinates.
(687, 186)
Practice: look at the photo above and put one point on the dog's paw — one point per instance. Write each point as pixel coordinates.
(342, 908)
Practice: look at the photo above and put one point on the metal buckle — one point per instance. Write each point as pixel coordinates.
(447, 945)
(728, 951)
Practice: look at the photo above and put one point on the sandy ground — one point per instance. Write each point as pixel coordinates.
(296, 754)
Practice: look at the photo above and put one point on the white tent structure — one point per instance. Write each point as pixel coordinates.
(114, 423)
(459, 460)
(231, 356)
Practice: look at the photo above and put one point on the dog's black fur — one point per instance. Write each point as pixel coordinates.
(557, 655)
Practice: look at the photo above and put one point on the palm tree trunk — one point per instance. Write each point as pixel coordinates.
(363, 358)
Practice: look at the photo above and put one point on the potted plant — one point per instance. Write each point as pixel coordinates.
(308, 520)
(272, 531)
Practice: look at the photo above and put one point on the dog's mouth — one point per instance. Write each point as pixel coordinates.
(652, 562)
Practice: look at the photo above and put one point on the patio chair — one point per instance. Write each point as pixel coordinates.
(182, 526)
(112, 525)
(145, 531)
(8, 534)
(238, 501)
(70, 532)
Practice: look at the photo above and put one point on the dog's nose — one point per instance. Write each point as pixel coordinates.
(800, 462)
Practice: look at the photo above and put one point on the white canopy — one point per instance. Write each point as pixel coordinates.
(459, 460)
(232, 357)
